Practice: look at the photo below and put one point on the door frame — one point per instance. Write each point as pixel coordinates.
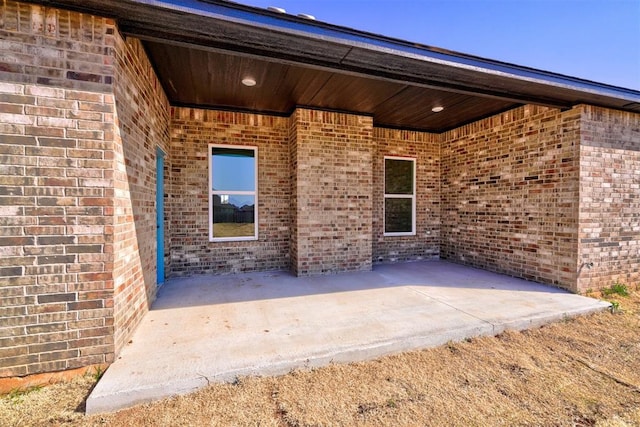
(160, 273)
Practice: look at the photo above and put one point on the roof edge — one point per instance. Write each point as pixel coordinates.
(249, 15)
(265, 20)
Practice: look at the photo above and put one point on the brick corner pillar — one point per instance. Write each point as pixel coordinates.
(609, 205)
(56, 190)
(331, 163)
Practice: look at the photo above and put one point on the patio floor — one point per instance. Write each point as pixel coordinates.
(205, 329)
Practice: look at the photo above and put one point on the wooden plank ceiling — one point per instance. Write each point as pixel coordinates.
(211, 79)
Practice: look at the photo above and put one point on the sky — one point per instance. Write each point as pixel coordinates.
(597, 40)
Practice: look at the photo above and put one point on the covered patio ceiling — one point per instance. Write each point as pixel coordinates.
(197, 77)
(202, 49)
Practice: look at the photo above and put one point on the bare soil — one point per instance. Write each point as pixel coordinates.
(583, 371)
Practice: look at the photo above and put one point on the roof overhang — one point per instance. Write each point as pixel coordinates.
(219, 30)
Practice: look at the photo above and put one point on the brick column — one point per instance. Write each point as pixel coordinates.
(331, 158)
(609, 226)
(81, 114)
(56, 189)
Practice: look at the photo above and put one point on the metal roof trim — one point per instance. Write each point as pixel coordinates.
(300, 27)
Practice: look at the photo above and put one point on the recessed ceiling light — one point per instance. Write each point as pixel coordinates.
(249, 81)
(437, 109)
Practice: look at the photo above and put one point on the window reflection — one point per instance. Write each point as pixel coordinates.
(233, 169)
(233, 216)
(398, 176)
(233, 192)
(398, 216)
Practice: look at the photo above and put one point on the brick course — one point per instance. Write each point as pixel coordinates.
(293, 201)
(56, 48)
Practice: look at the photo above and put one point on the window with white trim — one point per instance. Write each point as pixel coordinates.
(399, 196)
(233, 197)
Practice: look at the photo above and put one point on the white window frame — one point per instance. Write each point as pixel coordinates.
(399, 196)
(239, 193)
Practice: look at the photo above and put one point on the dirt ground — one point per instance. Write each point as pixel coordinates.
(578, 372)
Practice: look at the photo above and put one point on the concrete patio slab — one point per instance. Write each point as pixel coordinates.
(204, 329)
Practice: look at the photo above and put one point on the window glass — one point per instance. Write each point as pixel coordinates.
(233, 216)
(233, 193)
(398, 176)
(233, 169)
(398, 216)
(399, 197)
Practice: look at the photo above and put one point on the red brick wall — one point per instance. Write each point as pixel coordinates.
(333, 203)
(609, 198)
(191, 132)
(142, 120)
(56, 232)
(425, 148)
(510, 194)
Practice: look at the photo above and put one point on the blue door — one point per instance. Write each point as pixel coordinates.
(160, 214)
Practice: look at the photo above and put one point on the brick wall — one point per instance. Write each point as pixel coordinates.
(609, 198)
(425, 148)
(333, 149)
(510, 194)
(191, 132)
(56, 242)
(77, 188)
(142, 120)
(333, 207)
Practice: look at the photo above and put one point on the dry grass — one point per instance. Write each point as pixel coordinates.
(579, 372)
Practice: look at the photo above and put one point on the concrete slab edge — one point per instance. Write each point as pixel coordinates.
(115, 401)
(537, 321)
(100, 403)
(112, 402)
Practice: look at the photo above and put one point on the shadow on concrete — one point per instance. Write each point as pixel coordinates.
(233, 288)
